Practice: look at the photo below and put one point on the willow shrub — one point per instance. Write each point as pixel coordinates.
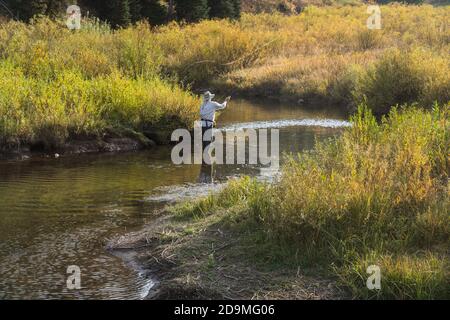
(329, 53)
(417, 75)
(371, 176)
(43, 111)
(57, 84)
(201, 52)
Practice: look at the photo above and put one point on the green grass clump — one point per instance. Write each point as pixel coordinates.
(377, 195)
(403, 276)
(236, 192)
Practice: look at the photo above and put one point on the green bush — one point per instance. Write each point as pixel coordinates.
(405, 77)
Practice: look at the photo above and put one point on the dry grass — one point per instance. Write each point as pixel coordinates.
(205, 259)
(328, 53)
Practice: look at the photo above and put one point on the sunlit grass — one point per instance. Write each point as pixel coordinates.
(324, 52)
(36, 111)
(378, 195)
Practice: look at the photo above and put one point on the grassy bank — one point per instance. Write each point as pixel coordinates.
(378, 195)
(57, 86)
(48, 113)
(81, 83)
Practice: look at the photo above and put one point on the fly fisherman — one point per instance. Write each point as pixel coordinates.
(208, 114)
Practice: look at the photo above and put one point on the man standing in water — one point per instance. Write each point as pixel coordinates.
(208, 114)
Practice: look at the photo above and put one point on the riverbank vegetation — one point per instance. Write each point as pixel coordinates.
(79, 83)
(47, 113)
(57, 85)
(377, 195)
(329, 54)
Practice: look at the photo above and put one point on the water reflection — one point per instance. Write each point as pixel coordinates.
(206, 174)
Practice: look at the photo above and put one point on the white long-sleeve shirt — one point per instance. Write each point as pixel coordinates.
(209, 108)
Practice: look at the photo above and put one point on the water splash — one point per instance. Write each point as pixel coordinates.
(325, 123)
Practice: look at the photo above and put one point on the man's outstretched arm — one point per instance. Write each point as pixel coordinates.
(220, 106)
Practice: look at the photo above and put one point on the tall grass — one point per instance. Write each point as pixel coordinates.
(50, 112)
(324, 52)
(414, 76)
(378, 195)
(57, 85)
(328, 53)
(199, 53)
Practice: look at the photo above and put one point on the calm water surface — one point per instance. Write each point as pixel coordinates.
(60, 212)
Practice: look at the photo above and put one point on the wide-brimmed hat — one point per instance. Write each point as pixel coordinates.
(208, 95)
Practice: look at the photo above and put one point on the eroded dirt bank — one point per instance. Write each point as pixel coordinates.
(116, 142)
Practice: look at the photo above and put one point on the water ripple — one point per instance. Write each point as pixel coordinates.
(184, 192)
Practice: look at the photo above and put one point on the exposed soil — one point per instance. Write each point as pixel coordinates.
(204, 260)
(118, 144)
